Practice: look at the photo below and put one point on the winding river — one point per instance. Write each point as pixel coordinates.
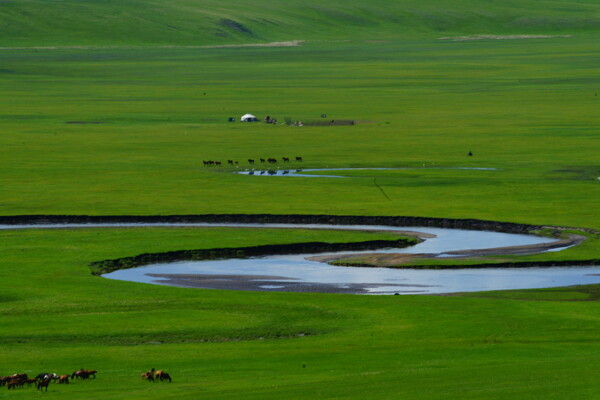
(294, 273)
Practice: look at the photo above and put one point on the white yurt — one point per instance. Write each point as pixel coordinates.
(248, 118)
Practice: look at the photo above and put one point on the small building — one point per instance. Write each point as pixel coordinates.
(249, 118)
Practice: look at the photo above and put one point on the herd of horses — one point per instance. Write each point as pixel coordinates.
(43, 380)
(251, 161)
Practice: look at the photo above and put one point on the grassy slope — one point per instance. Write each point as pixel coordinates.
(131, 22)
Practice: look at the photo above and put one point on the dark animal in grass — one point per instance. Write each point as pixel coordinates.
(262, 160)
(149, 376)
(92, 373)
(470, 153)
(30, 381)
(43, 384)
(63, 379)
(272, 161)
(4, 380)
(15, 383)
(250, 161)
(84, 374)
(163, 376)
(45, 375)
(230, 162)
(299, 159)
(286, 159)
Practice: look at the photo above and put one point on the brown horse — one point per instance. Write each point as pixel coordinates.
(15, 383)
(84, 374)
(43, 384)
(30, 381)
(163, 376)
(63, 379)
(149, 376)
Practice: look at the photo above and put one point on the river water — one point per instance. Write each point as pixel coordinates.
(294, 273)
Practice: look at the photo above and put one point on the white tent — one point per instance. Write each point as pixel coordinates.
(248, 118)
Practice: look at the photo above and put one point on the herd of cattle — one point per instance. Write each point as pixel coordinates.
(251, 161)
(43, 380)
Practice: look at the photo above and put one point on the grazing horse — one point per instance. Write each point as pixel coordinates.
(299, 159)
(84, 374)
(4, 380)
(262, 160)
(63, 379)
(91, 373)
(286, 159)
(250, 161)
(80, 374)
(15, 383)
(163, 376)
(43, 384)
(272, 161)
(45, 375)
(218, 163)
(30, 382)
(230, 162)
(149, 376)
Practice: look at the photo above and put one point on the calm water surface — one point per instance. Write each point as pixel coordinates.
(294, 273)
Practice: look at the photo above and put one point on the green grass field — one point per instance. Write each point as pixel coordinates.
(141, 22)
(106, 112)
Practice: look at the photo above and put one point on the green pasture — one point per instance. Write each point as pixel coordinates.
(124, 131)
(224, 344)
(189, 22)
(120, 123)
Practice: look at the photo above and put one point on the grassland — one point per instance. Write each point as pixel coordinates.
(143, 22)
(120, 123)
(525, 107)
(218, 344)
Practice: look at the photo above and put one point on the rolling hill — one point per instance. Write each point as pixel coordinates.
(195, 22)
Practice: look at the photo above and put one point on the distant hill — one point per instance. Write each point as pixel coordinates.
(201, 22)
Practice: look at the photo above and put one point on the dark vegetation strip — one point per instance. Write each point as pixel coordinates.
(472, 224)
(106, 266)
